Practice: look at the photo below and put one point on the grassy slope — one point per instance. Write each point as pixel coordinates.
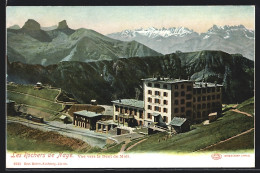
(247, 106)
(244, 141)
(230, 124)
(29, 100)
(44, 93)
(23, 138)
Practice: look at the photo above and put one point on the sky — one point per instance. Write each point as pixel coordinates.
(109, 19)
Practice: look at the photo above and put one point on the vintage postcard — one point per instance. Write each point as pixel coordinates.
(130, 86)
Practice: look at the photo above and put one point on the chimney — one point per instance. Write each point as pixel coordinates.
(120, 100)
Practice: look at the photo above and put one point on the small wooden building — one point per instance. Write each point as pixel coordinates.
(212, 116)
(64, 119)
(105, 126)
(10, 107)
(86, 119)
(93, 102)
(179, 125)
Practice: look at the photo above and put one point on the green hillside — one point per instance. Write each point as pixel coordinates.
(201, 136)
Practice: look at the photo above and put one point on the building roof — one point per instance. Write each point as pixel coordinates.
(155, 114)
(93, 100)
(87, 114)
(130, 102)
(109, 122)
(205, 84)
(166, 80)
(177, 121)
(63, 117)
(213, 114)
(9, 101)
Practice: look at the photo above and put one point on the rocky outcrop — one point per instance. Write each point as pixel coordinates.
(62, 25)
(31, 24)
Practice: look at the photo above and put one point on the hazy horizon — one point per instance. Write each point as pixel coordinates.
(110, 19)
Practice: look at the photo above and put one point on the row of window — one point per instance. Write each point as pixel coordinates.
(158, 93)
(209, 105)
(165, 86)
(203, 98)
(188, 96)
(205, 90)
(165, 118)
(129, 111)
(157, 108)
(157, 85)
(140, 116)
(149, 99)
(203, 114)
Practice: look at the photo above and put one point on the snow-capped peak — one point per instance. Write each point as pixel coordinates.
(154, 32)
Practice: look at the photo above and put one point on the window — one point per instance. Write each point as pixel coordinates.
(218, 96)
(116, 117)
(157, 93)
(149, 116)
(204, 114)
(188, 104)
(157, 85)
(208, 90)
(149, 99)
(213, 105)
(194, 91)
(150, 84)
(199, 99)
(189, 88)
(218, 89)
(149, 91)
(182, 101)
(140, 114)
(198, 106)
(203, 98)
(135, 111)
(149, 107)
(176, 110)
(182, 93)
(203, 90)
(165, 86)
(213, 97)
(203, 106)
(156, 108)
(208, 105)
(188, 113)
(165, 119)
(117, 108)
(165, 102)
(194, 99)
(208, 97)
(165, 94)
(198, 114)
(182, 109)
(176, 94)
(165, 110)
(176, 102)
(213, 89)
(199, 91)
(182, 86)
(157, 101)
(188, 96)
(176, 86)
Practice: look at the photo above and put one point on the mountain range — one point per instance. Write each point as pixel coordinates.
(231, 39)
(120, 78)
(33, 44)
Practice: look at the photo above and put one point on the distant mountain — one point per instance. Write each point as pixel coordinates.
(120, 78)
(231, 39)
(49, 28)
(14, 27)
(37, 46)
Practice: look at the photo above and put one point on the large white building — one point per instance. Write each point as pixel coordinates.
(168, 98)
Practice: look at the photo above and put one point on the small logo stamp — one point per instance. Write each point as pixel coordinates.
(216, 156)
